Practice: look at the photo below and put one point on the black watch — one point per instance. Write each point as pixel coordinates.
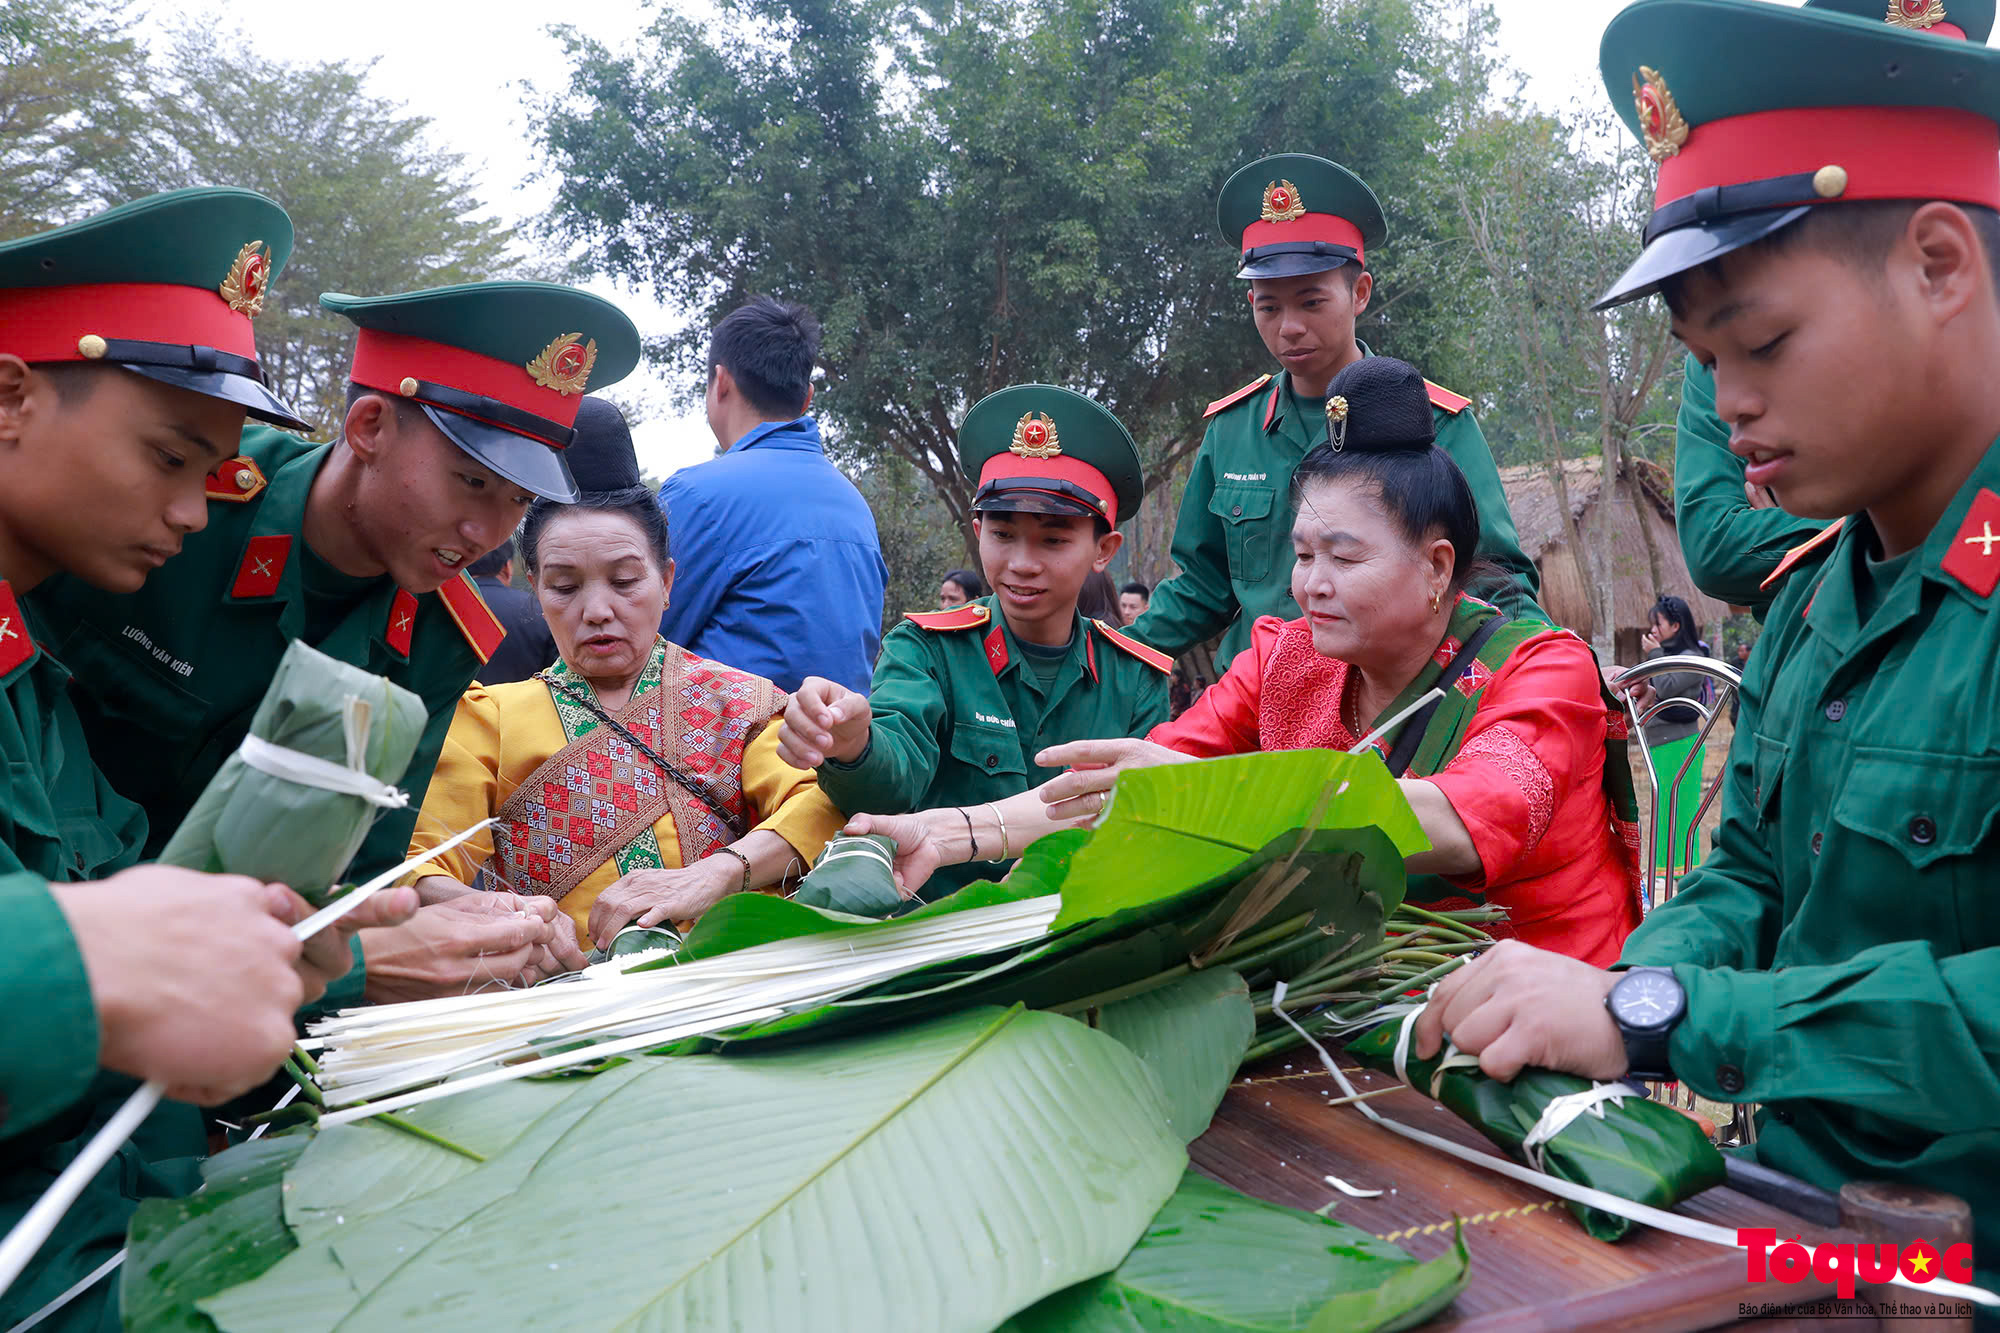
(1647, 1004)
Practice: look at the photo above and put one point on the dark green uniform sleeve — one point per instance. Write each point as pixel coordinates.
(1197, 603)
(908, 702)
(1153, 705)
(48, 1063)
(1459, 435)
(1729, 547)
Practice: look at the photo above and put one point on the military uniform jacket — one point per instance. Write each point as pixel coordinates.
(62, 822)
(171, 675)
(959, 717)
(1841, 947)
(1233, 539)
(1730, 548)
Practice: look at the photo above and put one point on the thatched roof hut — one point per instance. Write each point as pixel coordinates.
(1532, 497)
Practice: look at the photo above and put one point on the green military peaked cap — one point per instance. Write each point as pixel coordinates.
(1035, 448)
(165, 287)
(499, 367)
(1757, 112)
(1295, 213)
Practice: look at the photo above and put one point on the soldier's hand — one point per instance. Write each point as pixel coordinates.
(1094, 766)
(329, 954)
(824, 720)
(194, 977)
(1516, 1005)
(449, 949)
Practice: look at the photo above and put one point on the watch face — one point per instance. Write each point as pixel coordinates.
(1647, 999)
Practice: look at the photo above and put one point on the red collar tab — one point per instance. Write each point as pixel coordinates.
(1090, 656)
(1328, 227)
(969, 616)
(402, 622)
(1230, 400)
(1974, 558)
(263, 565)
(1152, 657)
(1802, 550)
(1445, 399)
(1271, 408)
(236, 480)
(75, 323)
(996, 649)
(1846, 153)
(474, 618)
(16, 645)
(537, 399)
(1024, 471)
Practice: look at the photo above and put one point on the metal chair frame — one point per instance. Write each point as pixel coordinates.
(1742, 1125)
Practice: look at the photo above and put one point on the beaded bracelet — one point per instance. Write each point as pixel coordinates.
(746, 864)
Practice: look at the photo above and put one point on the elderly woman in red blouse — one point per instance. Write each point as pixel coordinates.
(1518, 776)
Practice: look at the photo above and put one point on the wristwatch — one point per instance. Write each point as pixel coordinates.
(1647, 1004)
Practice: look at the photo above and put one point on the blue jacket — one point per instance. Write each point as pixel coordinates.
(778, 570)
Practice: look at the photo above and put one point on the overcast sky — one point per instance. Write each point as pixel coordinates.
(462, 63)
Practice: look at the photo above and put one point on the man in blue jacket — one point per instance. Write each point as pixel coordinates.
(779, 570)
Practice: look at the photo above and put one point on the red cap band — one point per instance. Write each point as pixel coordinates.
(1305, 227)
(1010, 466)
(384, 360)
(44, 323)
(1888, 152)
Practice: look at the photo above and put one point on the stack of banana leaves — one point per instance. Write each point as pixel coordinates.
(993, 1139)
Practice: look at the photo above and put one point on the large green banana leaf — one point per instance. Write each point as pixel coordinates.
(228, 1233)
(1191, 1035)
(1637, 1150)
(936, 1177)
(1216, 1261)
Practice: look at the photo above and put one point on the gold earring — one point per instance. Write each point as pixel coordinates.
(1434, 603)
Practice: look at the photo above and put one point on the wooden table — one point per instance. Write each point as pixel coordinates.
(1533, 1266)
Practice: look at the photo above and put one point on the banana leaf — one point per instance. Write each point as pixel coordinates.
(1191, 1036)
(937, 1177)
(1216, 1261)
(247, 822)
(1639, 1149)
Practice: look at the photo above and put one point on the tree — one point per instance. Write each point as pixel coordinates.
(72, 105)
(374, 207)
(972, 193)
(1550, 217)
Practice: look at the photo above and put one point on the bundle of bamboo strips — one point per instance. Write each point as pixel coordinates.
(390, 1056)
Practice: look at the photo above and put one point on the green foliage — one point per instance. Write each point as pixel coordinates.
(972, 193)
(1191, 1035)
(1216, 1261)
(73, 86)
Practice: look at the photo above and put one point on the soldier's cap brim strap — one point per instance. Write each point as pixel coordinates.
(529, 463)
(492, 411)
(1689, 247)
(1009, 481)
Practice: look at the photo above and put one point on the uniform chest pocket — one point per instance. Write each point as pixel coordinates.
(56, 843)
(145, 691)
(985, 748)
(1927, 805)
(1245, 512)
(1767, 768)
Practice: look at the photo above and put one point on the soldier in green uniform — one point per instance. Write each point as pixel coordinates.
(1827, 235)
(127, 363)
(1304, 226)
(964, 699)
(462, 400)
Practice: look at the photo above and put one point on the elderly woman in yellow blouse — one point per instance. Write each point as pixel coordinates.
(632, 780)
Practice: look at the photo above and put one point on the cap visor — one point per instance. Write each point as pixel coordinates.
(1031, 502)
(527, 463)
(245, 392)
(1290, 266)
(1690, 247)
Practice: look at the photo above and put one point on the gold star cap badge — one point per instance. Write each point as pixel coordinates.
(565, 364)
(248, 279)
(1035, 437)
(1282, 203)
(1915, 13)
(1659, 117)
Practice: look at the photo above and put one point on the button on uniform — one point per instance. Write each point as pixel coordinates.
(1922, 831)
(1730, 1079)
(1836, 710)
(1815, 844)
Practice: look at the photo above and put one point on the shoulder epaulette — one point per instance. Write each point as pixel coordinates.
(1795, 556)
(236, 480)
(1231, 399)
(1444, 398)
(1152, 657)
(16, 646)
(475, 619)
(970, 616)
